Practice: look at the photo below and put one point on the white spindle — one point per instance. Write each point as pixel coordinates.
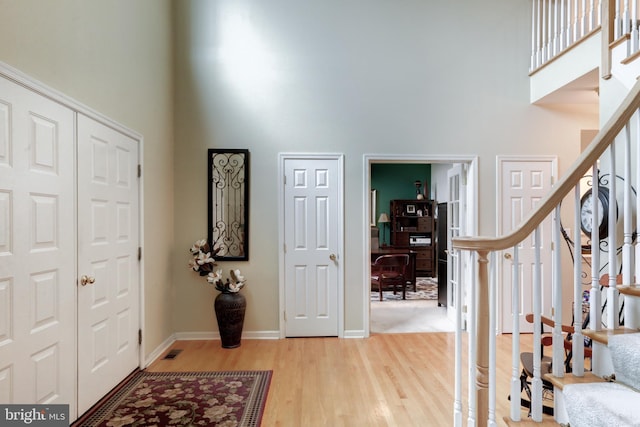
(583, 19)
(515, 337)
(634, 27)
(556, 265)
(594, 293)
(625, 18)
(627, 215)
(637, 180)
(556, 29)
(492, 340)
(617, 28)
(457, 403)
(536, 381)
(472, 326)
(534, 27)
(613, 318)
(577, 343)
(630, 306)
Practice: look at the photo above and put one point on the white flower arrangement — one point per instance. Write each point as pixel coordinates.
(203, 263)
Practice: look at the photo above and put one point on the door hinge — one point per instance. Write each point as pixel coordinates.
(139, 336)
(139, 253)
(285, 315)
(285, 180)
(139, 171)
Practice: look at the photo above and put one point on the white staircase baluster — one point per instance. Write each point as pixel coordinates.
(457, 403)
(625, 18)
(515, 337)
(634, 27)
(536, 381)
(630, 318)
(613, 318)
(472, 329)
(492, 340)
(593, 16)
(556, 28)
(556, 265)
(595, 320)
(577, 342)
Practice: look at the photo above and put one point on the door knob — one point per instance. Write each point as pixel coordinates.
(507, 256)
(332, 257)
(87, 280)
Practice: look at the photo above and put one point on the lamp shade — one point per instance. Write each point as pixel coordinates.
(384, 217)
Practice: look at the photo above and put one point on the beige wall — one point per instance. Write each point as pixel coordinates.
(415, 77)
(115, 57)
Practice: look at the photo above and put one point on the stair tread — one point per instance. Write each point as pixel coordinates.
(602, 336)
(560, 382)
(546, 421)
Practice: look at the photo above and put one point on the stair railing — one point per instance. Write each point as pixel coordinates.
(615, 134)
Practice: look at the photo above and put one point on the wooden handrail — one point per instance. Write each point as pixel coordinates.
(587, 159)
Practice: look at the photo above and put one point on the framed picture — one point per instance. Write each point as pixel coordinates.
(411, 209)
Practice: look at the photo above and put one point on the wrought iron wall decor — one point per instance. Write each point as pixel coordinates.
(228, 221)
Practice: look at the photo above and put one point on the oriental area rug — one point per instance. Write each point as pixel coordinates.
(227, 399)
(426, 289)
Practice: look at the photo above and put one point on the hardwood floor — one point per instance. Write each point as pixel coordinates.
(385, 380)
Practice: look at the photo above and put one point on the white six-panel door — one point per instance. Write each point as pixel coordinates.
(523, 182)
(108, 301)
(37, 249)
(312, 246)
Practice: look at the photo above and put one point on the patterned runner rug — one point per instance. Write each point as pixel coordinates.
(184, 398)
(426, 289)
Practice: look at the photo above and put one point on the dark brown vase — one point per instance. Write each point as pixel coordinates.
(230, 308)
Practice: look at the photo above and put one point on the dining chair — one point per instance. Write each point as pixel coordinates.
(390, 270)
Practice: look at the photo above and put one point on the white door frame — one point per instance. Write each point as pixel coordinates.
(553, 160)
(282, 157)
(471, 221)
(13, 74)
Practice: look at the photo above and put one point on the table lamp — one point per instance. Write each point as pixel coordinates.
(384, 220)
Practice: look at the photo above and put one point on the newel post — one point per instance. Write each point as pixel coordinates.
(482, 342)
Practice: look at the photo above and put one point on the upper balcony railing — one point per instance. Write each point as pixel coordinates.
(559, 25)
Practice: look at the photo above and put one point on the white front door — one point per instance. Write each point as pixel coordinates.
(37, 249)
(312, 215)
(523, 182)
(456, 212)
(108, 242)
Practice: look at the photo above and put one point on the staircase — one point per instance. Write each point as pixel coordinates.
(558, 27)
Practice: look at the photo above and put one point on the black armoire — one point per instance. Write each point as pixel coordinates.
(441, 256)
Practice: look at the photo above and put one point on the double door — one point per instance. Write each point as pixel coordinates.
(68, 209)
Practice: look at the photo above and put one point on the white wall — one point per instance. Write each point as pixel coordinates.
(115, 57)
(409, 77)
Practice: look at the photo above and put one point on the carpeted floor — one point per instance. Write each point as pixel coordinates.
(418, 313)
(184, 398)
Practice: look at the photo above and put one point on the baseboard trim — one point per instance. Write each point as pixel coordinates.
(355, 333)
(159, 350)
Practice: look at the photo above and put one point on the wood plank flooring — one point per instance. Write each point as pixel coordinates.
(385, 380)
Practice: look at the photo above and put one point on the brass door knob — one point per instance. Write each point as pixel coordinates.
(332, 257)
(87, 280)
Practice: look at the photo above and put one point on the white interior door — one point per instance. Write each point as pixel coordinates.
(455, 228)
(522, 183)
(108, 242)
(312, 246)
(37, 249)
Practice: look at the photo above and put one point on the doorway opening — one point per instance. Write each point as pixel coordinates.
(412, 228)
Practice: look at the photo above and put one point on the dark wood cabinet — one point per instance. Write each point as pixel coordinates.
(413, 227)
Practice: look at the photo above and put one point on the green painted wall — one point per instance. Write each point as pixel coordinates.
(396, 181)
